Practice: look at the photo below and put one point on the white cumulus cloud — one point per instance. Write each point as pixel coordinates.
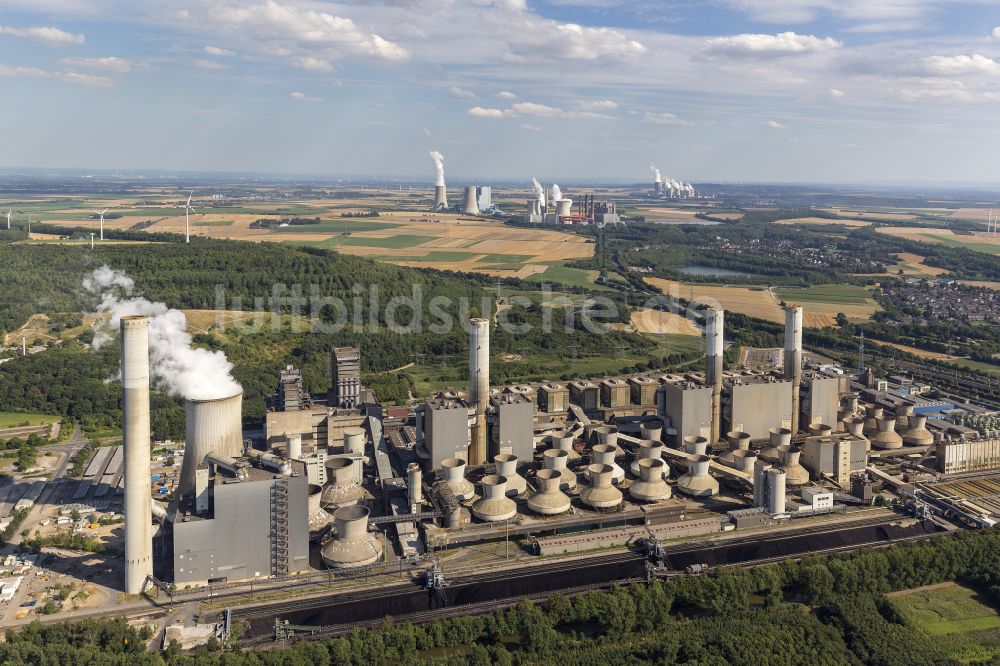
(45, 34)
(302, 97)
(664, 118)
(836, 92)
(461, 93)
(769, 46)
(110, 63)
(482, 112)
(216, 51)
(506, 94)
(311, 64)
(962, 64)
(774, 124)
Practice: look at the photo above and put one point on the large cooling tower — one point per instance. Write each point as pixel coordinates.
(213, 426)
(564, 207)
(135, 438)
(440, 198)
(470, 202)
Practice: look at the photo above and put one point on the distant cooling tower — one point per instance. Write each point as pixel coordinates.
(213, 426)
(564, 208)
(470, 202)
(440, 198)
(135, 438)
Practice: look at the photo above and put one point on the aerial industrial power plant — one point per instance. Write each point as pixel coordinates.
(500, 332)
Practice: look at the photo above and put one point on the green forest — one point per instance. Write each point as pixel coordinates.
(829, 610)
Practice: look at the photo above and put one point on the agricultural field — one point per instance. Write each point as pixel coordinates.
(404, 233)
(979, 241)
(825, 220)
(884, 215)
(648, 320)
(18, 419)
(913, 264)
(957, 617)
(573, 277)
(820, 304)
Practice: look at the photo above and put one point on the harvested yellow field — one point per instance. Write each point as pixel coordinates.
(754, 302)
(869, 215)
(913, 264)
(922, 353)
(824, 220)
(981, 283)
(979, 241)
(648, 320)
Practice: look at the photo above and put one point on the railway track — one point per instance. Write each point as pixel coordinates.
(447, 612)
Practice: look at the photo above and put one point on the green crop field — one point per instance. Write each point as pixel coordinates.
(960, 618)
(212, 223)
(18, 419)
(952, 241)
(573, 277)
(845, 294)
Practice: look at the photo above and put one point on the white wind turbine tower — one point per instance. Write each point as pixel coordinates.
(101, 213)
(187, 219)
(8, 218)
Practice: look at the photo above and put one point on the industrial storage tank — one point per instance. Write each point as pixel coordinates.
(414, 486)
(918, 434)
(494, 504)
(885, 435)
(697, 482)
(796, 474)
(353, 546)
(548, 500)
(213, 426)
(453, 470)
(506, 464)
(650, 487)
(649, 449)
(294, 448)
(341, 487)
(601, 493)
(604, 454)
(556, 460)
(776, 478)
(354, 441)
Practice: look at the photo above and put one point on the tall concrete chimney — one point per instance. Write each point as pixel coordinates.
(479, 385)
(135, 438)
(440, 197)
(470, 202)
(793, 357)
(713, 370)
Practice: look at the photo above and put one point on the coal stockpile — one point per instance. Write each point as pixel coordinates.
(462, 592)
(794, 546)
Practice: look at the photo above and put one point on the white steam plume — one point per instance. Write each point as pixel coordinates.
(539, 191)
(439, 167)
(175, 366)
(656, 173)
(556, 193)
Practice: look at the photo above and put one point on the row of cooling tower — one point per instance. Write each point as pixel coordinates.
(470, 199)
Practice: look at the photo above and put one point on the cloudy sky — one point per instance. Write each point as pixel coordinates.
(723, 90)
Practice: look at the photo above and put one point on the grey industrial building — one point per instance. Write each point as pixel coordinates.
(820, 399)
(512, 426)
(837, 456)
(445, 428)
(553, 398)
(252, 527)
(754, 404)
(584, 394)
(688, 404)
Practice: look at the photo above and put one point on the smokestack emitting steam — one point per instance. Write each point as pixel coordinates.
(175, 366)
(793, 357)
(479, 385)
(713, 370)
(440, 192)
(539, 192)
(556, 193)
(657, 180)
(135, 440)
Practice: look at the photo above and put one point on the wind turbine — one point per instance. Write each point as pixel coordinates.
(8, 218)
(101, 213)
(187, 218)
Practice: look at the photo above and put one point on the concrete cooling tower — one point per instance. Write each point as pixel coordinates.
(440, 198)
(213, 426)
(470, 202)
(353, 546)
